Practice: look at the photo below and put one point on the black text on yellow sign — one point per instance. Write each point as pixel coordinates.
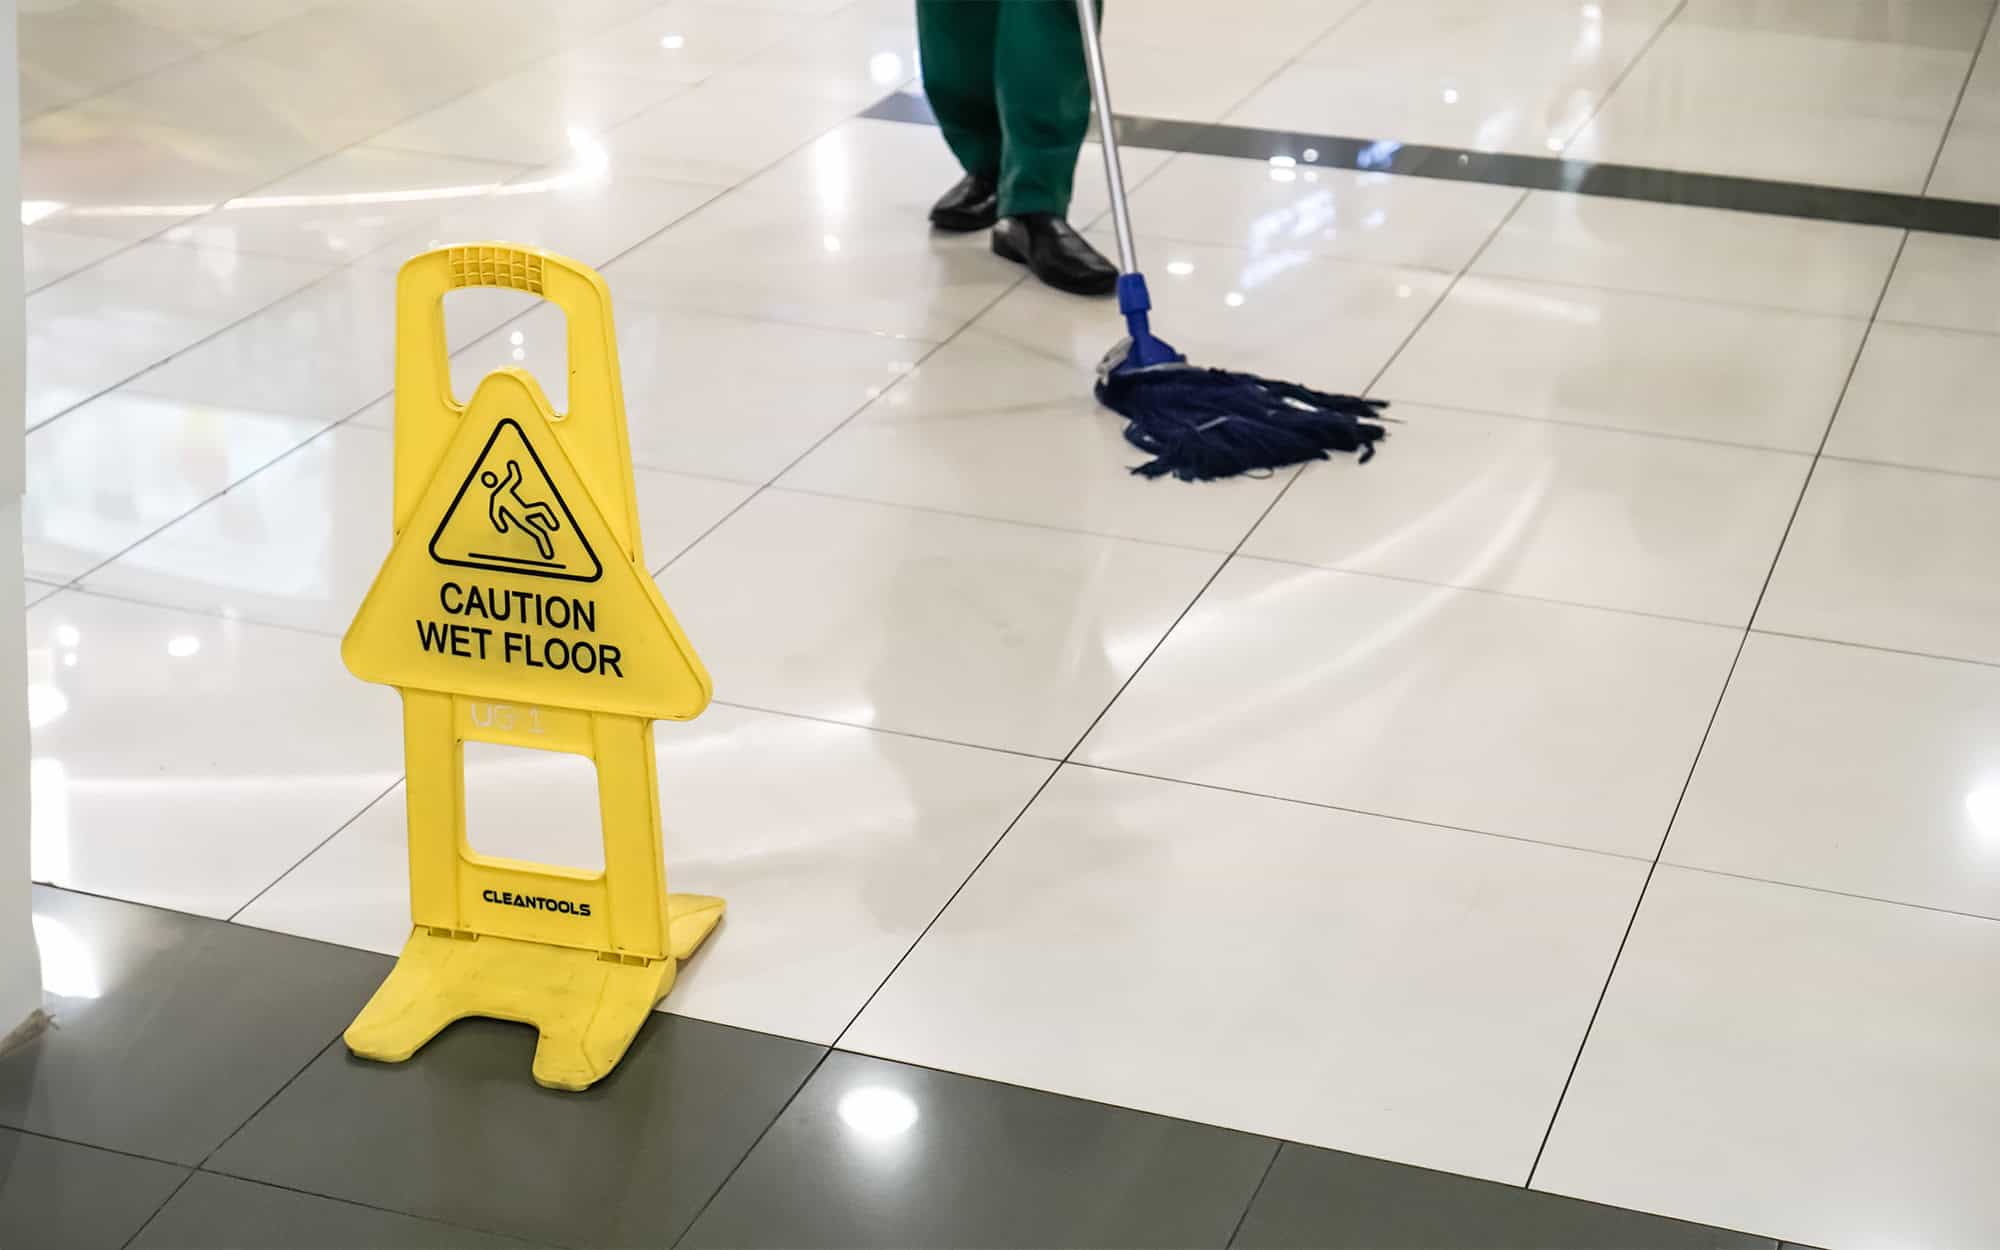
(549, 631)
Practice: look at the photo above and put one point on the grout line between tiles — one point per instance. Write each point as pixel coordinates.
(330, 273)
(1857, 896)
(76, 583)
(343, 1201)
(1284, 490)
(1612, 89)
(1324, 806)
(231, 1136)
(1444, 296)
(1054, 771)
(1958, 101)
(1270, 1165)
(173, 1194)
(826, 1052)
(25, 1131)
(1715, 713)
(1934, 470)
(1876, 647)
(279, 879)
(1304, 46)
(275, 1094)
(819, 442)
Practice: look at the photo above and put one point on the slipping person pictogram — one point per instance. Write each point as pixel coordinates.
(507, 510)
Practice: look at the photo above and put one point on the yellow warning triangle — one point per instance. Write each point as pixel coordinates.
(507, 584)
(508, 517)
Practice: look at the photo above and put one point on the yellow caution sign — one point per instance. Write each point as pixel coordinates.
(515, 608)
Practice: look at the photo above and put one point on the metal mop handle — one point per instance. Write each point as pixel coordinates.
(1114, 173)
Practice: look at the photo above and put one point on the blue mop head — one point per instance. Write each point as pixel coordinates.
(1200, 424)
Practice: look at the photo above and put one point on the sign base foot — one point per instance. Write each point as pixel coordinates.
(588, 1006)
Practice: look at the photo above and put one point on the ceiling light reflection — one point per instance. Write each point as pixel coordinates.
(877, 1113)
(1378, 154)
(886, 69)
(48, 821)
(1983, 806)
(68, 971)
(46, 704)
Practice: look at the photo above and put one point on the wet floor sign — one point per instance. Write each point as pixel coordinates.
(515, 608)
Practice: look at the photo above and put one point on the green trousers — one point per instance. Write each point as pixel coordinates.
(1011, 91)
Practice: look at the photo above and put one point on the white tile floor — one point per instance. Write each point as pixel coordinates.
(1318, 803)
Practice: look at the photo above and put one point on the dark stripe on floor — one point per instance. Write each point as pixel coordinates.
(249, 1124)
(1540, 173)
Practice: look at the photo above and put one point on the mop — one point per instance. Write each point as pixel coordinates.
(1198, 423)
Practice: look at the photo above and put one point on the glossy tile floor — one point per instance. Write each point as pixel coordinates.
(1578, 828)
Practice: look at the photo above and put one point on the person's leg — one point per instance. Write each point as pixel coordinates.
(1044, 98)
(1044, 92)
(956, 39)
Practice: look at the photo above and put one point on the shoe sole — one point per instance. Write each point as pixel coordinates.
(1007, 251)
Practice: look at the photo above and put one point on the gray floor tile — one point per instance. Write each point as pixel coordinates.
(461, 1133)
(1326, 1200)
(56, 1195)
(218, 1211)
(882, 1154)
(175, 1029)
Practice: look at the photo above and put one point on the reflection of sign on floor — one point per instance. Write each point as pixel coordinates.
(508, 517)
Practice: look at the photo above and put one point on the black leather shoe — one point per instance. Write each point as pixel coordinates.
(971, 205)
(1057, 254)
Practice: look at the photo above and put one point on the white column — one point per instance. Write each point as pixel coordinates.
(20, 969)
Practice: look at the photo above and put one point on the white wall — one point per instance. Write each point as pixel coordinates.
(20, 971)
